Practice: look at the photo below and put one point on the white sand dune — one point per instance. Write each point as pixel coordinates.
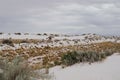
(63, 40)
(22, 36)
(107, 70)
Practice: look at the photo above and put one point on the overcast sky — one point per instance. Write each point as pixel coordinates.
(60, 16)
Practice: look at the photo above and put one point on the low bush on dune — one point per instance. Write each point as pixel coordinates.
(17, 69)
(1, 33)
(24, 41)
(17, 33)
(39, 34)
(71, 58)
(8, 42)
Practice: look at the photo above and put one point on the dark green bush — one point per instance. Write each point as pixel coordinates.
(71, 58)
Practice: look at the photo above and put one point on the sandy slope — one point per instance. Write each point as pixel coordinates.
(107, 70)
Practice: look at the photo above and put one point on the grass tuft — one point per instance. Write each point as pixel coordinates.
(18, 69)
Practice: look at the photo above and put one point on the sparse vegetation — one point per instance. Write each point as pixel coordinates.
(54, 54)
(18, 41)
(71, 58)
(54, 46)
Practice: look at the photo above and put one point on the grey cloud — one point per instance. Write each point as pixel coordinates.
(78, 16)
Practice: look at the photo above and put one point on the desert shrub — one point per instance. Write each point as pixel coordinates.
(17, 33)
(47, 47)
(39, 34)
(50, 37)
(109, 52)
(24, 41)
(90, 56)
(83, 34)
(8, 42)
(26, 33)
(56, 35)
(71, 58)
(18, 69)
(56, 62)
(45, 34)
(1, 33)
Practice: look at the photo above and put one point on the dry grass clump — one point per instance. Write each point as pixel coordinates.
(18, 69)
(14, 70)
